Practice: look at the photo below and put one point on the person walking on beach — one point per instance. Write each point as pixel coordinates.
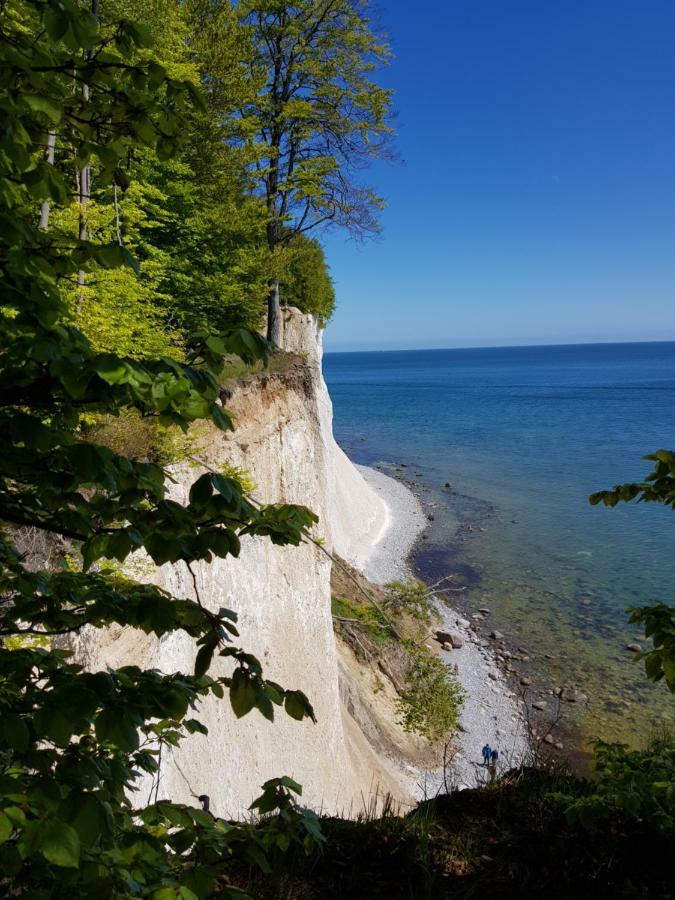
(492, 765)
(486, 754)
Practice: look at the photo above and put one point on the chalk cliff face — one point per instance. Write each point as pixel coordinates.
(284, 439)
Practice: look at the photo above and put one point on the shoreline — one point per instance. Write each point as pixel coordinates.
(403, 522)
(492, 712)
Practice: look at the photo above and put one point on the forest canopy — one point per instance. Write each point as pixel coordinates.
(191, 213)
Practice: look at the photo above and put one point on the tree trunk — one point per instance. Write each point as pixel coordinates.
(274, 321)
(84, 187)
(49, 159)
(83, 177)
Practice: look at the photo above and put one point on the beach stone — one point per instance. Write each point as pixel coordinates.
(549, 739)
(634, 648)
(572, 695)
(524, 658)
(493, 675)
(538, 704)
(447, 485)
(484, 611)
(525, 681)
(558, 745)
(496, 636)
(449, 637)
(523, 650)
(463, 623)
(446, 646)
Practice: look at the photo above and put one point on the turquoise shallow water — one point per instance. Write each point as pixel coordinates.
(524, 435)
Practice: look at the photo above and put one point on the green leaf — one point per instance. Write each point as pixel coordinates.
(242, 693)
(6, 827)
(14, 733)
(203, 660)
(297, 706)
(56, 24)
(42, 104)
(202, 490)
(59, 844)
(115, 726)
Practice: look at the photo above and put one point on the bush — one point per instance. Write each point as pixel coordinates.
(411, 598)
(432, 699)
(635, 784)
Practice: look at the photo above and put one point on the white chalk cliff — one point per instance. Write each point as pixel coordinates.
(284, 439)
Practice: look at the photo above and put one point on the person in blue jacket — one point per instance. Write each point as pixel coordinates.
(487, 751)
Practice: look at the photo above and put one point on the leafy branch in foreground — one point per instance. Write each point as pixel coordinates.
(73, 743)
(658, 620)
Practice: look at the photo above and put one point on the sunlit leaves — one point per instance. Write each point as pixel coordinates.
(658, 620)
(74, 743)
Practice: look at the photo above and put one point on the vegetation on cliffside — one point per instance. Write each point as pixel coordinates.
(388, 630)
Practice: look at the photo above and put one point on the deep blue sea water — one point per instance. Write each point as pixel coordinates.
(524, 435)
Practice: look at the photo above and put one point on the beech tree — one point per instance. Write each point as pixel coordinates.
(73, 743)
(318, 118)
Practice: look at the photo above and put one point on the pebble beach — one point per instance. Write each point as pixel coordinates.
(492, 712)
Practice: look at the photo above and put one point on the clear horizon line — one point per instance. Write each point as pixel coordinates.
(505, 346)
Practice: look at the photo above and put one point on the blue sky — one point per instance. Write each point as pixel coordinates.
(535, 197)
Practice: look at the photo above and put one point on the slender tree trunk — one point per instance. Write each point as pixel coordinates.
(84, 191)
(274, 320)
(118, 229)
(85, 188)
(49, 158)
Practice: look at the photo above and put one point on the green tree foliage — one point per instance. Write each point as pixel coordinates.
(318, 117)
(658, 620)
(73, 743)
(432, 698)
(412, 598)
(306, 282)
(187, 217)
(638, 785)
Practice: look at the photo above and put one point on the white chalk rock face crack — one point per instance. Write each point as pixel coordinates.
(284, 440)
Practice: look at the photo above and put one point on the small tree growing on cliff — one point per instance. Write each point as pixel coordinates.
(318, 118)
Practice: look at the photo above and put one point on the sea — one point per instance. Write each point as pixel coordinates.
(504, 446)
